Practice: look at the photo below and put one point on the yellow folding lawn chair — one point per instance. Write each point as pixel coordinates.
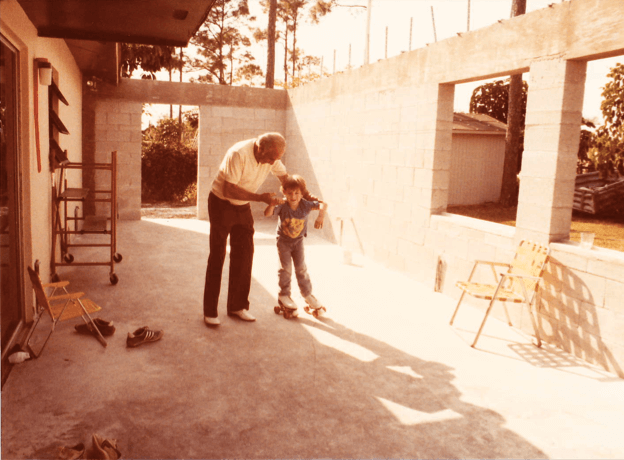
(519, 284)
(60, 308)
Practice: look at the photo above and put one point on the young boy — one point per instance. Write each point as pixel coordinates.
(292, 227)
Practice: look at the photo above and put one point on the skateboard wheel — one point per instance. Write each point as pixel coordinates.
(276, 310)
(287, 314)
(307, 309)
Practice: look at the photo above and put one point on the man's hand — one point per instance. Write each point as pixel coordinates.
(269, 198)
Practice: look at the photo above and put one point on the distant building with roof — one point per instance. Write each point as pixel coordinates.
(478, 152)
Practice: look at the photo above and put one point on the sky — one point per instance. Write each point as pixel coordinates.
(342, 34)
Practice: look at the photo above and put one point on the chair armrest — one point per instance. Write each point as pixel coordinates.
(487, 262)
(73, 295)
(60, 284)
(491, 264)
(513, 275)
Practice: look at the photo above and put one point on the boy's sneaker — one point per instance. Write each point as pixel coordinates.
(313, 302)
(143, 335)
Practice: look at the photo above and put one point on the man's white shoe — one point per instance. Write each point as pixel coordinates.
(243, 314)
(211, 321)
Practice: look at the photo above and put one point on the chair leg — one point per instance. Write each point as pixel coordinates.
(535, 327)
(461, 297)
(487, 312)
(98, 334)
(507, 313)
(30, 349)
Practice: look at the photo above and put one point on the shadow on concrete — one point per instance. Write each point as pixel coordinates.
(570, 319)
(275, 388)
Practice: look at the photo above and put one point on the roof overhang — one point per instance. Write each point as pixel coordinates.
(92, 28)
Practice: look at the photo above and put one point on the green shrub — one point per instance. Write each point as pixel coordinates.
(168, 162)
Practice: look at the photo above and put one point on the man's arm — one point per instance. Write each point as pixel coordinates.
(237, 193)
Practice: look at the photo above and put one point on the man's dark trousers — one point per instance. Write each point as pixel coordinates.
(237, 222)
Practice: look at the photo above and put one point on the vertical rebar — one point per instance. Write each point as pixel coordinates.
(386, 56)
(367, 42)
(435, 37)
(349, 55)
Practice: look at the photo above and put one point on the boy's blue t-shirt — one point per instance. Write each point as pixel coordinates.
(294, 223)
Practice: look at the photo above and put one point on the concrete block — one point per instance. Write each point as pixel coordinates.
(224, 112)
(585, 286)
(609, 266)
(614, 296)
(568, 259)
(114, 118)
(552, 138)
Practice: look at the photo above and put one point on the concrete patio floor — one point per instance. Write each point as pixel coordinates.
(382, 375)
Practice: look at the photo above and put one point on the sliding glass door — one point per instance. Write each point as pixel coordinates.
(10, 265)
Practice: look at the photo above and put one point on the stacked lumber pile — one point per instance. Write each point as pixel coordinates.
(595, 195)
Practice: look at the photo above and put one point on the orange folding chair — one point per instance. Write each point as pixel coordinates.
(519, 284)
(60, 308)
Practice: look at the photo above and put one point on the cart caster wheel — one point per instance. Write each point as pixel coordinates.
(55, 278)
(117, 258)
(276, 310)
(114, 279)
(69, 258)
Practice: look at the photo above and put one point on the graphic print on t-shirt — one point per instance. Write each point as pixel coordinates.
(292, 227)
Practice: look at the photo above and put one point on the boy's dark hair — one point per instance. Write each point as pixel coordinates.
(294, 181)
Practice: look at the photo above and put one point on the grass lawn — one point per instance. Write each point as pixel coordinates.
(609, 230)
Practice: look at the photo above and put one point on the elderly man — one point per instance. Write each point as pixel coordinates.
(243, 170)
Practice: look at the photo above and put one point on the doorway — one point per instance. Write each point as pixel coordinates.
(10, 244)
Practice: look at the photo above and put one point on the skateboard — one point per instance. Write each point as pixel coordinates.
(287, 312)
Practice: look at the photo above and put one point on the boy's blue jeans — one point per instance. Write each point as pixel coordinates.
(291, 251)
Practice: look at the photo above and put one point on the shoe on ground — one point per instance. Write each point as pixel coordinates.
(211, 321)
(106, 328)
(71, 453)
(287, 302)
(104, 448)
(143, 335)
(243, 314)
(313, 302)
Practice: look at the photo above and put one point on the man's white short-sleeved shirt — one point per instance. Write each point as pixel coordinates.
(240, 167)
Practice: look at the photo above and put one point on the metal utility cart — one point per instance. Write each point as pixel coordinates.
(98, 230)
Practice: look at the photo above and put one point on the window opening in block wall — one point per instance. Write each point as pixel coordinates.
(478, 151)
(598, 206)
(169, 161)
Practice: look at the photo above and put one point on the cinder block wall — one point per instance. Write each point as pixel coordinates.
(112, 122)
(118, 128)
(220, 128)
(375, 143)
